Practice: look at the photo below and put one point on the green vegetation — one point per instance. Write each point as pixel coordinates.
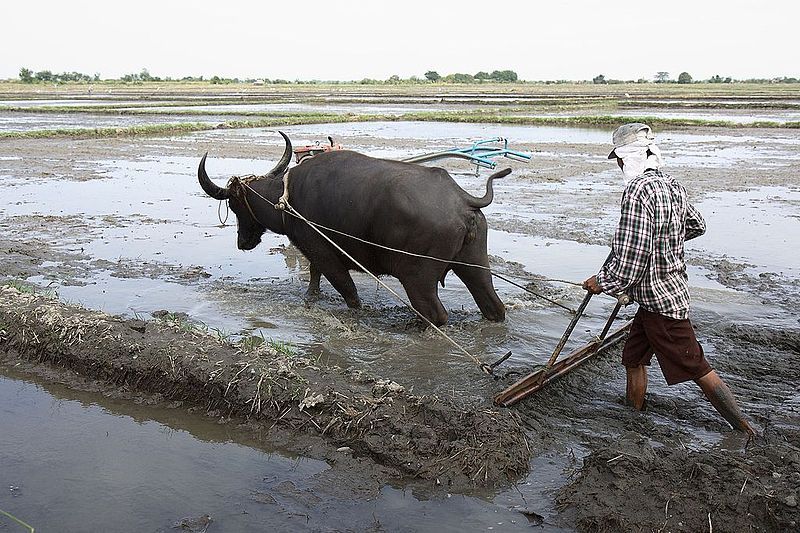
(186, 127)
(181, 322)
(430, 77)
(283, 348)
(578, 104)
(149, 129)
(45, 76)
(662, 77)
(252, 343)
(144, 76)
(587, 120)
(21, 286)
(455, 116)
(29, 288)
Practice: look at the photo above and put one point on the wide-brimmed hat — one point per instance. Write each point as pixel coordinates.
(630, 133)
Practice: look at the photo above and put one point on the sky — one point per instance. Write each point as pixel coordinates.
(352, 40)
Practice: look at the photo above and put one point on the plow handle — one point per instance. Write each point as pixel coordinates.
(568, 332)
(578, 313)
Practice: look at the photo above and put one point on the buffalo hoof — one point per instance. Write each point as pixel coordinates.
(311, 297)
(353, 303)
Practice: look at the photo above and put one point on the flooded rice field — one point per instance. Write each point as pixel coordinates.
(54, 121)
(121, 225)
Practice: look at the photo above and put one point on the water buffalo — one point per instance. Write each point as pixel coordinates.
(404, 206)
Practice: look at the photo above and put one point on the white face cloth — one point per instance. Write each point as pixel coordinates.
(635, 159)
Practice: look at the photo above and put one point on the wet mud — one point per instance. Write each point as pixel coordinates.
(632, 486)
(427, 438)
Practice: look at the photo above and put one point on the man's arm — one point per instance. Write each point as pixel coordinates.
(695, 224)
(632, 247)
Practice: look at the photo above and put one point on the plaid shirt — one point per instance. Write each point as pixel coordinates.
(647, 251)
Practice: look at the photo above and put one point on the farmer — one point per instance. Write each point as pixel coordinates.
(647, 264)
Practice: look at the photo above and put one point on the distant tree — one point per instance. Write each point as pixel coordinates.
(459, 77)
(394, 79)
(432, 75)
(599, 79)
(684, 77)
(662, 77)
(215, 80)
(25, 75)
(44, 75)
(504, 75)
(482, 75)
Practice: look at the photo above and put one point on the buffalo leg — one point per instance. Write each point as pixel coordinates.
(479, 283)
(337, 274)
(312, 293)
(313, 283)
(424, 298)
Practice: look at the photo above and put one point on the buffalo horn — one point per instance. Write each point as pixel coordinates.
(284, 162)
(211, 189)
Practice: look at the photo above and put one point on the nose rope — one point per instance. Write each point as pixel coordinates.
(284, 201)
(219, 212)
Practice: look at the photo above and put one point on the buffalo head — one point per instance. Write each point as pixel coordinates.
(246, 205)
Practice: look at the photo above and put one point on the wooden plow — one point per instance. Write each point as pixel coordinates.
(553, 370)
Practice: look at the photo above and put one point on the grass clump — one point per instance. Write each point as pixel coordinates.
(29, 288)
(282, 347)
(253, 343)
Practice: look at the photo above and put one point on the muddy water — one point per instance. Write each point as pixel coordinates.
(128, 231)
(77, 461)
(300, 107)
(153, 241)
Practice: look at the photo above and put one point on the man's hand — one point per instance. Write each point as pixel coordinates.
(592, 286)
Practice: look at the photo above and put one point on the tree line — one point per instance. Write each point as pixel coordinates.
(497, 76)
(26, 75)
(685, 77)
